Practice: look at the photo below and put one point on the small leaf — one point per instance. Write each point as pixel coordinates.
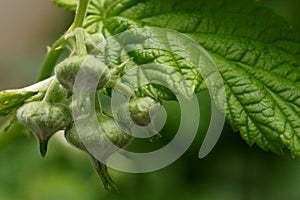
(10, 100)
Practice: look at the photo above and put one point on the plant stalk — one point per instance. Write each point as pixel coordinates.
(80, 14)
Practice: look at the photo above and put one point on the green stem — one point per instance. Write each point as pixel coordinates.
(119, 86)
(59, 46)
(80, 48)
(107, 181)
(98, 105)
(52, 93)
(51, 59)
(80, 14)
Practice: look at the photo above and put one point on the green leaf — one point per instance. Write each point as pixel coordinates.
(256, 51)
(159, 75)
(68, 4)
(161, 65)
(10, 100)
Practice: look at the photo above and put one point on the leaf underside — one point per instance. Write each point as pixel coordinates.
(257, 54)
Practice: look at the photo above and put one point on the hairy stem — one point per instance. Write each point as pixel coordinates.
(51, 58)
(80, 48)
(53, 92)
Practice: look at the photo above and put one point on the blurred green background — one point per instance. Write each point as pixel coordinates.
(231, 171)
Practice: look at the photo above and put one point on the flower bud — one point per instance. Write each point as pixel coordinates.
(142, 109)
(90, 69)
(94, 142)
(44, 119)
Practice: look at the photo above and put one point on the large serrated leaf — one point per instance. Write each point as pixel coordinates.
(256, 51)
